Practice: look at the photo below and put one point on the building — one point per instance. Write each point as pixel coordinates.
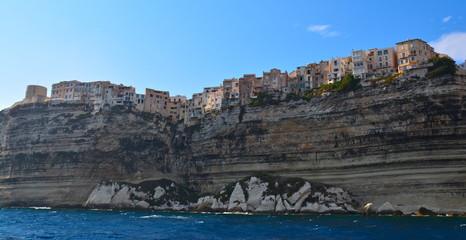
(114, 95)
(212, 97)
(382, 61)
(274, 80)
(157, 102)
(230, 92)
(35, 94)
(99, 93)
(194, 109)
(139, 101)
(359, 64)
(302, 80)
(338, 68)
(177, 107)
(412, 53)
(246, 88)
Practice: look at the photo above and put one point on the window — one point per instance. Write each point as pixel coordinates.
(386, 57)
(386, 64)
(385, 52)
(335, 63)
(380, 64)
(380, 59)
(379, 53)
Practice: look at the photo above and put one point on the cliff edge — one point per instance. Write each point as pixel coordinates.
(402, 142)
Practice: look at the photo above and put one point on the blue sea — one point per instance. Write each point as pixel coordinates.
(24, 223)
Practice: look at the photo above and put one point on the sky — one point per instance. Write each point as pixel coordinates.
(184, 46)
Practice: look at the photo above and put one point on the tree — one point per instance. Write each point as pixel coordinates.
(441, 66)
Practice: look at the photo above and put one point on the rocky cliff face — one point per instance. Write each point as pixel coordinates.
(402, 142)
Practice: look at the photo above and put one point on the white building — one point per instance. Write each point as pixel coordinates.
(359, 64)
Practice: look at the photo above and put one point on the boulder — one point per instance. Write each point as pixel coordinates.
(305, 189)
(255, 189)
(267, 204)
(237, 199)
(142, 204)
(386, 208)
(279, 207)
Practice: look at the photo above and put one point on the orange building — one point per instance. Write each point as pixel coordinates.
(157, 102)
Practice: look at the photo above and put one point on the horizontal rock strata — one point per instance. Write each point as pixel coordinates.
(402, 143)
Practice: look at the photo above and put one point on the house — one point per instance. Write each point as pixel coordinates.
(412, 53)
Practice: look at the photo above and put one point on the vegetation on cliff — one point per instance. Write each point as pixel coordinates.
(441, 66)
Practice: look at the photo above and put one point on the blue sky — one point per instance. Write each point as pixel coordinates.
(183, 46)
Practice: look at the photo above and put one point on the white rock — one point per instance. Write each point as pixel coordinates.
(350, 208)
(122, 197)
(310, 207)
(207, 199)
(288, 205)
(333, 207)
(177, 206)
(297, 205)
(218, 205)
(255, 189)
(237, 198)
(280, 207)
(102, 194)
(386, 208)
(341, 196)
(267, 204)
(158, 192)
(142, 204)
(305, 189)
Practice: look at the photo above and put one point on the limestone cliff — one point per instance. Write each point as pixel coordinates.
(402, 143)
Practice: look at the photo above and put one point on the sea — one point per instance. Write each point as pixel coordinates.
(44, 223)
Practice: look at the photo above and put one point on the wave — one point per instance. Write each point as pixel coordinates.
(40, 208)
(161, 216)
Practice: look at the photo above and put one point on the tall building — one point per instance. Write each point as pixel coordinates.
(246, 88)
(338, 68)
(230, 92)
(382, 61)
(157, 101)
(194, 109)
(359, 64)
(412, 53)
(274, 80)
(139, 101)
(177, 107)
(212, 97)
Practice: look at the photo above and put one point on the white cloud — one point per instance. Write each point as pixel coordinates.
(323, 30)
(446, 19)
(317, 28)
(452, 44)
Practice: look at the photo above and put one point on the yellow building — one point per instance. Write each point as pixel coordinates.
(34, 94)
(412, 53)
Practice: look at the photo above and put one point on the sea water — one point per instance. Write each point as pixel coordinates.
(24, 223)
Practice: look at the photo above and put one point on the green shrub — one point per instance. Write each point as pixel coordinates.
(441, 66)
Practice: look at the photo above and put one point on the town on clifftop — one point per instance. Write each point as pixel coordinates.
(410, 56)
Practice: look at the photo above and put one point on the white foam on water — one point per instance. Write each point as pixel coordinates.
(160, 216)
